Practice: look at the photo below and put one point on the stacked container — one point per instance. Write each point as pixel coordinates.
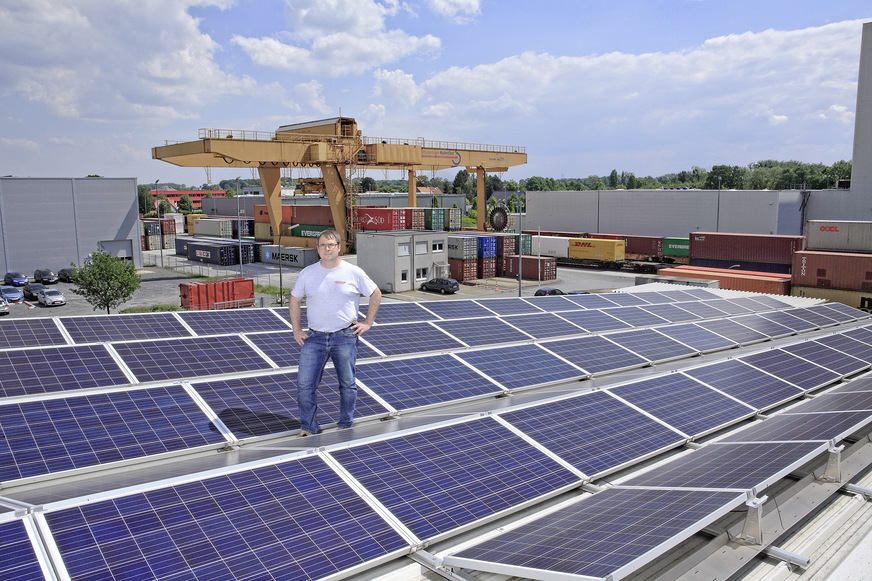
(463, 257)
(676, 249)
(758, 252)
(740, 280)
(151, 238)
(261, 214)
(219, 227)
(532, 267)
(434, 219)
(487, 267)
(462, 270)
(366, 218)
(289, 255)
(315, 215)
(452, 219)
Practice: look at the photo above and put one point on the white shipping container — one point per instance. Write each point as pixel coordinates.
(838, 235)
(556, 246)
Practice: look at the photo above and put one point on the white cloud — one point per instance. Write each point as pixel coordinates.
(838, 113)
(332, 38)
(310, 95)
(460, 11)
(397, 86)
(20, 143)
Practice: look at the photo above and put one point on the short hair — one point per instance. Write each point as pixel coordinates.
(332, 233)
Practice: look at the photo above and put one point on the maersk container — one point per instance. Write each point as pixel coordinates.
(462, 247)
(676, 247)
(838, 235)
(556, 246)
(294, 256)
(838, 270)
(759, 248)
(599, 249)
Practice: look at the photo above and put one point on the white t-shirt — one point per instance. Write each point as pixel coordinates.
(332, 294)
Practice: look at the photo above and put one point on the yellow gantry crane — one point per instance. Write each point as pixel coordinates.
(334, 145)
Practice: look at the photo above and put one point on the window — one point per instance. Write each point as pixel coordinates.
(438, 246)
(404, 276)
(403, 249)
(420, 247)
(420, 274)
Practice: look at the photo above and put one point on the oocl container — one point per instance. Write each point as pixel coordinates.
(840, 235)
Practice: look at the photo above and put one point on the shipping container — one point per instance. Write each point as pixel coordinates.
(601, 250)
(462, 270)
(316, 215)
(462, 247)
(568, 234)
(487, 246)
(452, 219)
(487, 267)
(857, 299)
(732, 281)
(759, 267)
(635, 247)
(153, 242)
(838, 235)
(150, 227)
(748, 248)
(367, 218)
(556, 246)
(415, 218)
(308, 230)
(507, 244)
(676, 247)
(532, 267)
(434, 219)
(168, 241)
(837, 270)
(217, 294)
(778, 275)
(167, 226)
(261, 214)
(289, 256)
(189, 221)
(219, 227)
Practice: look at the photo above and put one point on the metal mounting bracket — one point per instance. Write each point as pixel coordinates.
(752, 532)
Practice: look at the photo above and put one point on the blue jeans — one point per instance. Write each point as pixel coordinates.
(341, 348)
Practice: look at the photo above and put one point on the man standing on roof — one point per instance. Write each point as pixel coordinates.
(332, 289)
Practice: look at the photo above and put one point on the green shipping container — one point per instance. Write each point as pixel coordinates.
(676, 247)
(526, 244)
(308, 230)
(434, 219)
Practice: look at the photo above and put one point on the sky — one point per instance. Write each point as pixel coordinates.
(585, 86)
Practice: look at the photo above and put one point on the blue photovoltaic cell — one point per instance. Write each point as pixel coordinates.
(862, 383)
(594, 432)
(766, 302)
(801, 426)
(30, 333)
(544, 325)
(699, 294)
(851, 344)
(637, 316)
(751, 303)
(801, 373)
(599, 537)
(33, 371)
(554, 303)
(700, 339)
(594, 321)
(267, 404)
(729, 306)
(733, 330)
(847, 313)
(824, 311)
(763, 325)
(860, 333)
(50, 436)
(738, 466)
(475, 332)
(233, 321)
(411, 383)
(671, 312)
(294, 520)
(181, 358)
(592, 301)
(284, 314)
(399, 313)
(746, 383)
(651, 345)
(839, 401)
(509, 306)
(788, 320)
(17, 557)
(817, 352)
(630, 299)
(100, 328)
(683, 403)
(406, 338)
(456, 309)
(812, 316)
(438, 480)
(595, 354)
(521, 365)
(664, 297)
(702, 310)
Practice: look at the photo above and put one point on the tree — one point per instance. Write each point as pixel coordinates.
(145, 199)
(106, 281)
(185, 204)
(613, 179)
(434, 202)
(367, 184)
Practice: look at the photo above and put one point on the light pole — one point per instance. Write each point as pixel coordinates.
(160, 236)
(238, 227)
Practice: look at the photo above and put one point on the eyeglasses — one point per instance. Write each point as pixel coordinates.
(327, 246)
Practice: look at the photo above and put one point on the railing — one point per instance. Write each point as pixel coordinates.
(447, 145)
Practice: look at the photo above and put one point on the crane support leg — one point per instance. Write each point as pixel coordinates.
(334, 187)
(271, 182)
(413, 188)
(481, 205)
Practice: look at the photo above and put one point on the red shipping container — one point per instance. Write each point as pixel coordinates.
(462, 270)
(731, 281)
(415, 218)
(637, 247)
(532, 267)
(365, 218)
(217, 294)
(838, 270)
(315, 215)
(506, 245)
(765, 248)
(168, 226)
(778, 275)
(261, 214)
(487, 267)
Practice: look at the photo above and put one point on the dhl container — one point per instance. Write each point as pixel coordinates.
(556, 246)
(635, 247)
(676, 247)
(838, 235)
(750, 248)
(487, 267)
(217, 294)
(604, 250)
(857, 299)
(261, 214)
(837, 270)
(315, 215)
(367, 218)
(462, 270)
(532, 267)
(759, 267)
(461, 247)
(731, 281)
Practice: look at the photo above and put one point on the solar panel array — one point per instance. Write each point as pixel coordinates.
(213, 386)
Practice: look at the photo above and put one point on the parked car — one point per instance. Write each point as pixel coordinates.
(45, 276)
(4, 306)
(11, 294)
(66, 274)
(51, 297)
(578, 292)
(31, 289)
(15, 279)
(443, 285)
(546, 291)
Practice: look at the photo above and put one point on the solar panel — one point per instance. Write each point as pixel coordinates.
(817, 352)
(824, 311)
(544, 325)
(442, 479)
(596, 433)
(788, 320)
(34, 371)
(699, 294)
(860, 334)
(294, 520)
(801, 426)
(683, 403)
(591, 301)
(595, 354)
(509, 306)
(664, 297)
(233, 321)
(456, 309)
(554, 303)
(421, 381)
(180, 358)
(671, 312)
(58, 434)
(30, 333)
(814, 317)
(267, 404)
(594, 321)
(407, 338)
(763, 325)
(848, 313)
(99, 328)
(803, 374)
(839, 401)
(752, 304)
(637, 316)
(491, 331)
(701, 340)
(731, 466)
(603, 536)
(399, 313)
(766, 302)
(17, 557)
(733, 331)
(845, 343)
(521, 366)
(729, 306)
(282, 348)
(628, 299)
(285, 315)
(651, 345)
(703, 310)
(740, 380)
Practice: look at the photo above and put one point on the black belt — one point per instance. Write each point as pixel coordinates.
(331, 332)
